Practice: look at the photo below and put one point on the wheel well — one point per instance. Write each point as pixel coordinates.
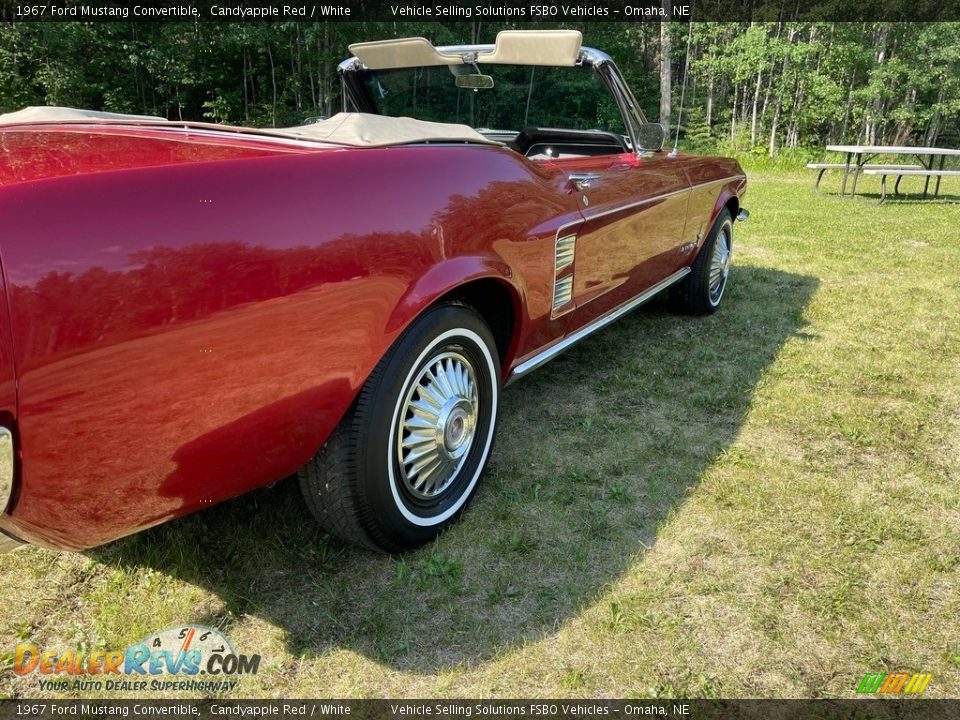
(494, 301)
(733, 205)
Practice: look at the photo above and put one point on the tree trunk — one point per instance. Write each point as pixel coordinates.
(773, 74)
(733, 114)
(753, 119)
(665, 70)
(878, 104)
(314, 83)
(246, 101)
(710, 103)
(766, 92)
(295, 61)
(849, 107)
(772, 150)
(793, 133)
(273, 79)
(905, 127)
(328, 78)
(933, 128)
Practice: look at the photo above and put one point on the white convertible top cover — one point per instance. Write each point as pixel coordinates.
(368, 130)
(43, 114)
(349, 129)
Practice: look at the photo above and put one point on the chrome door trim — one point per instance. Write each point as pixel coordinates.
(583, 181)
(551, 352)
(645, 201)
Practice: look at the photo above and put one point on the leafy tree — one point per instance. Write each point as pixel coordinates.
(762, 85)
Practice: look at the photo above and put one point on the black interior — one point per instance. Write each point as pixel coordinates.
(557, 143)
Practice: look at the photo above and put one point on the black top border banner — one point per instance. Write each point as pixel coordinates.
(434, 709)
(529, 11)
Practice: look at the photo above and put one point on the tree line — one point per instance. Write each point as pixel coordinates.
(748, 87)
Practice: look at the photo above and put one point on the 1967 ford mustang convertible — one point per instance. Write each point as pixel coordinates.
(191, 310)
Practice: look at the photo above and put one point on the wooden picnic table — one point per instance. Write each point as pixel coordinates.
(860, 154)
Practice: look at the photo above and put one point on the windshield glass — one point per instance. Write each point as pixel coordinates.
(522, 96)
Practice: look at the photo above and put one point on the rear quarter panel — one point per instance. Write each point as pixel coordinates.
(716, 182)
(184, 334)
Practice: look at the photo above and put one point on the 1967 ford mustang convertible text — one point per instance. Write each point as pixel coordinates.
(191, 311)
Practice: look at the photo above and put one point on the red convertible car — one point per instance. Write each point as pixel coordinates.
(190, 311)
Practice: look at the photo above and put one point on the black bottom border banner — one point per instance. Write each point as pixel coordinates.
(866, 709)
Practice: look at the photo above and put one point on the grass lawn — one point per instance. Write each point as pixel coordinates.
(765, 502)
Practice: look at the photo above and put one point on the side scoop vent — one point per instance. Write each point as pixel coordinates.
(562, 293)
(565, 250)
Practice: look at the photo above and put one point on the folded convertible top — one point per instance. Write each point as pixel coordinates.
(348, 129)
(365, 129)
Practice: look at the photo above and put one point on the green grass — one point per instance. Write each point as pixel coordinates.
(765, 502)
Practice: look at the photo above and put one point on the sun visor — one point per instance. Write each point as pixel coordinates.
(535, 47)
(401, 53)
(558, 48)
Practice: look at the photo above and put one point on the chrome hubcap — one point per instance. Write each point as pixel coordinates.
(438, 420)
(720, 265)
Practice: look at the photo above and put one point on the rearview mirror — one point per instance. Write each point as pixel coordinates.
(650, 136)
(474, 82)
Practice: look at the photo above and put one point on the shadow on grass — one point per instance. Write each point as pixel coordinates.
(593, 452)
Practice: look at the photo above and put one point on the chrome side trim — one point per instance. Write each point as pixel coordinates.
(638, 203)
(645, 201)
(716, 182)
(601, 322)
(6, 467)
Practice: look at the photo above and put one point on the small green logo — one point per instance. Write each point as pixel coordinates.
(893, 683)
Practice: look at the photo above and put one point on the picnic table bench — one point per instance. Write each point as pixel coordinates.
(870, 170)
(823, 167)
(858, 155)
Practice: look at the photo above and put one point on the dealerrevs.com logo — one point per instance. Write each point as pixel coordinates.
(185, 658)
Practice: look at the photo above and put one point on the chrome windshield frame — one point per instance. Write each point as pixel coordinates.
(602, 64)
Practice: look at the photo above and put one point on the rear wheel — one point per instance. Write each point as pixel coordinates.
(407, 456)
(701, 292)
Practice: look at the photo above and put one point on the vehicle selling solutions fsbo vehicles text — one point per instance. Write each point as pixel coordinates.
(536, 11)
